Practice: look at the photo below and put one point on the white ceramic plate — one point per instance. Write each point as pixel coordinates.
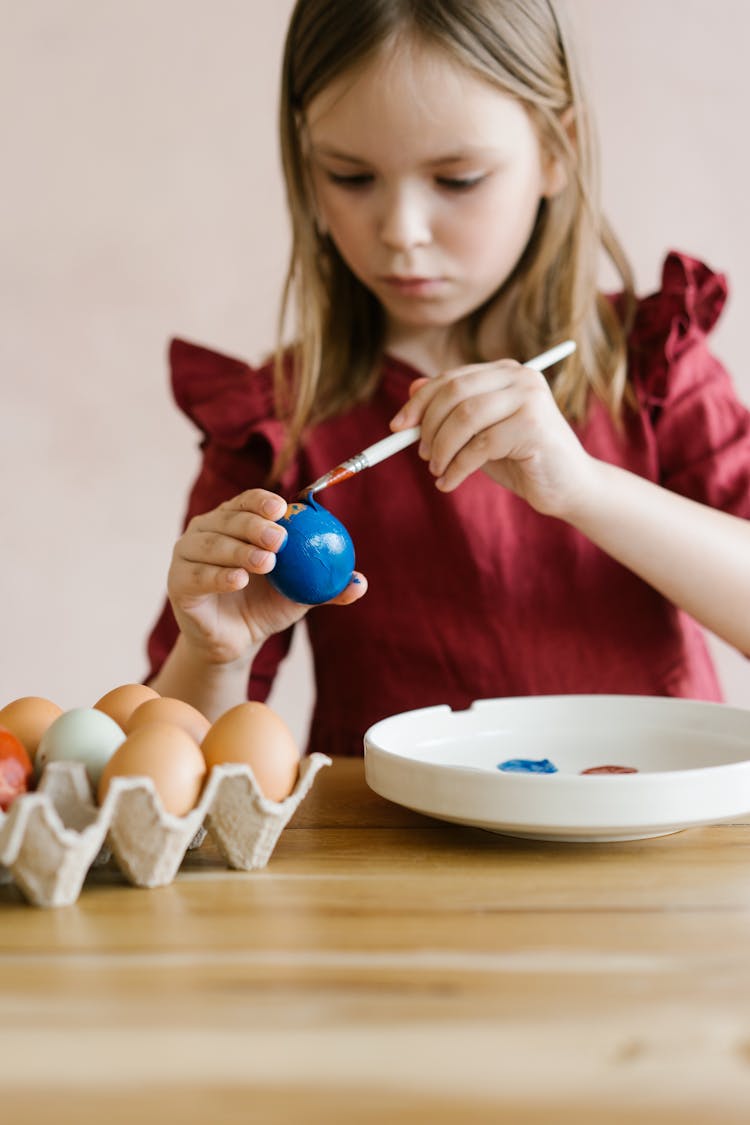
(693, 763)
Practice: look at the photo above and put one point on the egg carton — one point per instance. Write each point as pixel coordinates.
(50, 839)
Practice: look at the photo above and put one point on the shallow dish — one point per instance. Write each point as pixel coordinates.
(692, 761)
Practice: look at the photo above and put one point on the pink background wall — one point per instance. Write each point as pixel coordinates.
(142, 198)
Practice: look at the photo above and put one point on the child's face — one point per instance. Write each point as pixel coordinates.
(428, 180)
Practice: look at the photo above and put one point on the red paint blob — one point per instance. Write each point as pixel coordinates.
(610, 769)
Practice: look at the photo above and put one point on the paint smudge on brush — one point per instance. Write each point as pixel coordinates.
(611, 769)
(335, 476)
(527, 765)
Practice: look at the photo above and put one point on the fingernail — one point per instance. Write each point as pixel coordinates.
(273, 536)
(258, 557)
(398, 419)
(272, 507)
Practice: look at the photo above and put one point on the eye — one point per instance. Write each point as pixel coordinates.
(356, 180)
(459, 183)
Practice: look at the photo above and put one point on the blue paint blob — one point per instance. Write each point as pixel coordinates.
(316, 561)
(527, 765)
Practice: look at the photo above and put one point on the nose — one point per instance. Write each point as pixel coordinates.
(405, 219)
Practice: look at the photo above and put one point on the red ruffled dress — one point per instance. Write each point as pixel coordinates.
(473, 594)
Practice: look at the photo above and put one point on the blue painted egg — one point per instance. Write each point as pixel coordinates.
(317, 559)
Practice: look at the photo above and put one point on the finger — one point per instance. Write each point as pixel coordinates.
(356, 589)
(505, 441)
(224, 535)
(211, 549)
(423, 391)
(461, 388)
(409, 414)
(258, 500)
(472, 421)
(468, 459)
(195, 580)
(417, 384)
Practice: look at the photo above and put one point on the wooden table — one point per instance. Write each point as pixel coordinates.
(386, 967)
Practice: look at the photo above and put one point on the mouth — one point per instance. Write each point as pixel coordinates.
(412, 285)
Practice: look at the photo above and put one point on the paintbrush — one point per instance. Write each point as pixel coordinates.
(394, 443)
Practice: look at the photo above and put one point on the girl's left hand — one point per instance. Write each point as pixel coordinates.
(500, 417)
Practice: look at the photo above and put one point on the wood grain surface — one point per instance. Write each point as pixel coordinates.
(386, 967)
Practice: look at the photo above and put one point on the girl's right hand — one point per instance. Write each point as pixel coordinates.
(223, 606)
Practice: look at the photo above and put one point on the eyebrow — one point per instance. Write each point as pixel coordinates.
(467, 153)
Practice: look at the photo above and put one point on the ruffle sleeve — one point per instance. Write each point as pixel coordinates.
(231, 404)
(700, 426)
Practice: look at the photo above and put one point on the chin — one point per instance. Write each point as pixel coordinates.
(426, 314)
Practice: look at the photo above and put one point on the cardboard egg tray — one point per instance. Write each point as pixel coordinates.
(49, 839)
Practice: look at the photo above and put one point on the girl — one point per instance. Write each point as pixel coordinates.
(552, 533)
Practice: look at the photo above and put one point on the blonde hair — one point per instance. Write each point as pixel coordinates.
(523, 47)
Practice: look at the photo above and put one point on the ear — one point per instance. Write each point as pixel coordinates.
(555, 177)
(555, 168)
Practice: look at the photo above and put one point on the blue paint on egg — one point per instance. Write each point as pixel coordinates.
(528, 765)
(316, 561)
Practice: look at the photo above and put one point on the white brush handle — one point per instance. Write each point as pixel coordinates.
(403, 438)
(387, 446)
(551, 356)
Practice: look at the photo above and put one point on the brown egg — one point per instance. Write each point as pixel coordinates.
(121, 702)
(28, 718)
(169, 756)
(255, 735)
(168, 710)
